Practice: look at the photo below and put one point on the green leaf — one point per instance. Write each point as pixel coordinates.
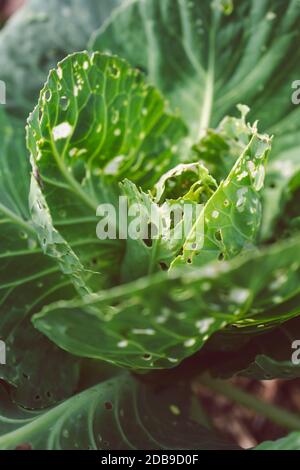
(156, 322)
(188, 182)
(28, 281)
(289, 442)
(278, 196)
(97, 120)
(289, 220)
(230, 220)
(220, 148)
(37, 37)
(121, 413)
(182, 186)
(207, 58)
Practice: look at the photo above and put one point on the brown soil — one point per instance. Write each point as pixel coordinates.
(244, 426)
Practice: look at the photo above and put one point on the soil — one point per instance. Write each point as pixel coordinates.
(244, 426)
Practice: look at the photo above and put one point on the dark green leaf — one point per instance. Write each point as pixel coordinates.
(28, 281)
(118, 414)
(207, 61)
(289, 442)
(156, 322)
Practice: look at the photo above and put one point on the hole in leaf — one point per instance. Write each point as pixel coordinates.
(142, 69)
(151, 233)
(218, 235)
(148, 242)
(114, 71)
(163, 266)
(108, 405)
(48, 95)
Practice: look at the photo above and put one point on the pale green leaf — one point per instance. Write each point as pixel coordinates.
(180, 189)
(97, 121)
(230, 220)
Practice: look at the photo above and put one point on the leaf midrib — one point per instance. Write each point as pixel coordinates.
(210, 78)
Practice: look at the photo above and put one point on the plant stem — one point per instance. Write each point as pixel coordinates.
(199, 414)
(278, 415)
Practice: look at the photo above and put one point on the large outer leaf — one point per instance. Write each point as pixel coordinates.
(207, 62)
(28, 280)
(118, 414)
(37, 37)
(158, 321)
(96, 121)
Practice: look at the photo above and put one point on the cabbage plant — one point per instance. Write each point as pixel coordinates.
(165, 103)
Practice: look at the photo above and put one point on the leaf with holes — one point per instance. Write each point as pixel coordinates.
(156, 322)
(121, 413)
(97, 121)
(28, 281)
(190, 54)
(230, 220)
(204, 56)
(167, 212)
